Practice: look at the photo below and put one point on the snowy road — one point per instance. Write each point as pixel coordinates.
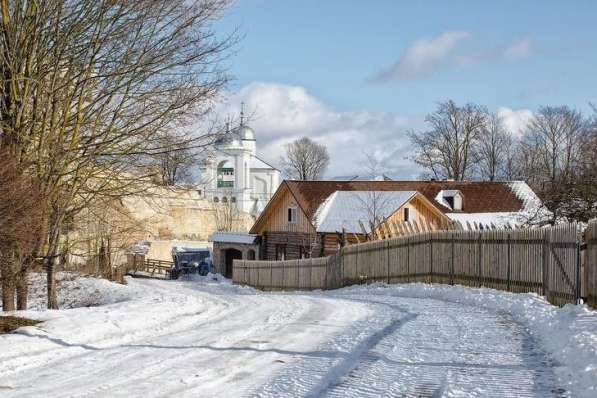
(189, 339)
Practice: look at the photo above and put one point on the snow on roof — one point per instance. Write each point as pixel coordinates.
(528, 197)
(233, 237)
(441, 195)
(533, 210)
(344, 209)
(499, 219)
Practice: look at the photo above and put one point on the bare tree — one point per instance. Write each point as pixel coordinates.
(446, 150)
(175, 167)
(493, 150)
(552, 148)
(305, 160)
(375, 204)
(89, 85)
(554, 135)
(19, 212)
(226, 214)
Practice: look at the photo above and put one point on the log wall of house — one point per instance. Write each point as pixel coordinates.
(295, 244)
(331, 242)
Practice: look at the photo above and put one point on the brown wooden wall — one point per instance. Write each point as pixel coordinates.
(331, 241)
(276, 217)
(296, 244)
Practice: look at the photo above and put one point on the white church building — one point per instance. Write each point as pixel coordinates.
(235, 174)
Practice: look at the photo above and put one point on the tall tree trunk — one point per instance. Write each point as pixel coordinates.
(51, 284)
(8, 286)
(22, 284)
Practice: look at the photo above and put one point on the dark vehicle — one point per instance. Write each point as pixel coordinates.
(191, 260)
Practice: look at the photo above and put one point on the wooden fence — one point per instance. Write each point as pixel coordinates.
(138, 265)
(590, 264)
(545, 261)
(304, 274)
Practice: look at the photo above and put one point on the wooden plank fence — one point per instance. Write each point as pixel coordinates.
(545, 261)
(590, 264)
(138, 265)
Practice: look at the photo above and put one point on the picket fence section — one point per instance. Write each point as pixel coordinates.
(590, 263)
(545, 261)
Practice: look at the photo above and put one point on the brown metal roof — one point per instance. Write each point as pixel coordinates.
(479, 197)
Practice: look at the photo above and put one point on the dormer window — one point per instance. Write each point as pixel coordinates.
(451, 198)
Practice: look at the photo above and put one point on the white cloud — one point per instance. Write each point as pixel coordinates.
(520, 49)
(282, 113)
(517, 50)
(515, 120)
(424, 57)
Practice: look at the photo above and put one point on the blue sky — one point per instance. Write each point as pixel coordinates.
(358, 67)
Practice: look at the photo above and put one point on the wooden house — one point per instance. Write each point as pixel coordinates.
(308, 218)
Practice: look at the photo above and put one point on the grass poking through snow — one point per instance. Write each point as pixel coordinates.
(10, 323)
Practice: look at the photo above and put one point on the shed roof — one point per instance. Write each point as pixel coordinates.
(233, 237)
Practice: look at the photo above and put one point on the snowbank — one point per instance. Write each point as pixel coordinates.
(75, 291)
(569, 333)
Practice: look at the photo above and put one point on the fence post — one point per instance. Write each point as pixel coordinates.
(452, 258)
(325, 269)
(271, 277)
(341, 270)
(431, 258)
(545, 287)
(480, 260)
(509, 261)
(387, 250)
(256, 269)
(356, 263)
(578, 264)
(408, 259)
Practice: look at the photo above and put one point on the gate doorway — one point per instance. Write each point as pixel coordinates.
(229, 256)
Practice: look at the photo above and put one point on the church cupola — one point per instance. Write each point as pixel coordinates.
(245, 132)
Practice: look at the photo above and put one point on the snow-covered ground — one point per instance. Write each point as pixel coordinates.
(74, 291)
(210, 338)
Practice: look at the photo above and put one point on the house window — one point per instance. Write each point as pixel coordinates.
(224, 200)
(233, 199)
(406, 214)
(291, 215)
(216, 199)
(280, 252)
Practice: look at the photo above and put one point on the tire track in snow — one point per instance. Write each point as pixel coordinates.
(443, 349)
